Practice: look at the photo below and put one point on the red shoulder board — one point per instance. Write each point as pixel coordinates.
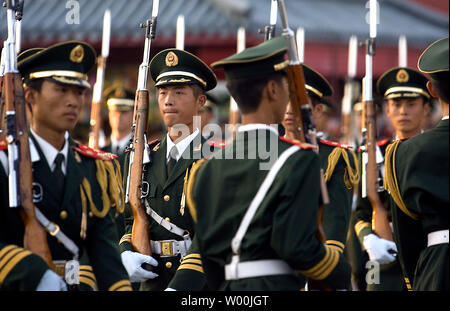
(335, 144)
(382, 142)
(92, 153)
(3, 144)
(216, 143)
(153, 142)
(298, 143)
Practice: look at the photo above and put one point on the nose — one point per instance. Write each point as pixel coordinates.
(74, 99)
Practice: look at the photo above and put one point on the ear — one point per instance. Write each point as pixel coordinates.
(426, 108)
(30, 95)
(272, 90)
(431, 89)
(201, 100)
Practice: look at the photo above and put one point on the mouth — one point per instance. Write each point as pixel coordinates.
(71, 115)
(289, 121)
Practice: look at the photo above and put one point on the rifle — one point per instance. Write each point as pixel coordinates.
(402, 51)
(370, 180)
(233, 118)
(135, 193)
(301, 104)
(95, 121)
(269, 30)
(20, 175)
(2, 97)
(349, 93)
(180, 33)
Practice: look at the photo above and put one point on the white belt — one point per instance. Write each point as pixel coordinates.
(437, 237)
(168, 248)
(256, 268)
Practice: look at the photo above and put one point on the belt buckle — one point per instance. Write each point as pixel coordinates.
(167, 248)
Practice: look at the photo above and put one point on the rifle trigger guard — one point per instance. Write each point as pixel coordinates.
(145, 189)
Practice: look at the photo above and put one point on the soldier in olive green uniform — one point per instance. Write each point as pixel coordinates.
(417, 180)
(275, 241)
(404, 90)
(337, 161)
(120, 103)
(182, 80)
(77, 189)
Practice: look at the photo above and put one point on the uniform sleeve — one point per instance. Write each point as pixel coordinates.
(190, 275)
(295, 223)
(20, 270)
(336, 214)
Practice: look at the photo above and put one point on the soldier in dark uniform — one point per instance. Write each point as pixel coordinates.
(337, 161)
(418, 182)
(181, 79)
(259, 251)
(407, 103)
(120, 103)
(77, 189)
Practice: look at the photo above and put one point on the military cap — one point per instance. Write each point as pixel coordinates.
(174, 66)
(119, 98)
(265, 58)
(434, 60)
(402, 82)
(64, 63)
(317, 85)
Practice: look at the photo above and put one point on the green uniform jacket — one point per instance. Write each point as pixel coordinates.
(390, 274)
(283, 227)
(100, 263)
(190, 274)
(421, 175)
(164, 197)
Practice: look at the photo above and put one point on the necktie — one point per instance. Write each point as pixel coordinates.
(58, 175)
(172, 159)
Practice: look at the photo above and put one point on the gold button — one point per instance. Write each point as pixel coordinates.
(168, 265)
(167, 219)
(90, 214)
(63, 214)
(166, 198)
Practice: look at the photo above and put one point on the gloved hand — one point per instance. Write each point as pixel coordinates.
(50, 281)
(378, 249)
(168, 289)
(132, 262)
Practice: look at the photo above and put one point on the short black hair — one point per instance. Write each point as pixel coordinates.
(36, 84)
(247, 92)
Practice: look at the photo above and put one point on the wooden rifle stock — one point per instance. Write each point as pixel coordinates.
(140, 238)
(35, 237)
(380, 222)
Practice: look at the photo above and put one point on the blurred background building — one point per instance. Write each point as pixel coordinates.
(211, 27)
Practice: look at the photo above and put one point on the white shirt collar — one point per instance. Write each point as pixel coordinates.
(51, 152)
(181, 145)
(445, 118)
(257, 126)
(122, 143)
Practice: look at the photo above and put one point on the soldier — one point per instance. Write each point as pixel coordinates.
(77, 189)
(182, 80)
(337, 161)
(278, 239)
(406, 96)
(120, 103)
(417, 180)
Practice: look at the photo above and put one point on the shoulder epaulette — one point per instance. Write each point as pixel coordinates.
(335, 144)
(382, 142)
(3, 144)
(216, 143)
(298, 143)
(92, 153)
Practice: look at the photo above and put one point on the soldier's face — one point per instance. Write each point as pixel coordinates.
(56, 107)
(121, 120)
(178, 104)
(406, 114)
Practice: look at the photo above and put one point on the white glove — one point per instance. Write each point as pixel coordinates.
(168, 289)
(50, 281)
(132, 262)
(378, 248)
